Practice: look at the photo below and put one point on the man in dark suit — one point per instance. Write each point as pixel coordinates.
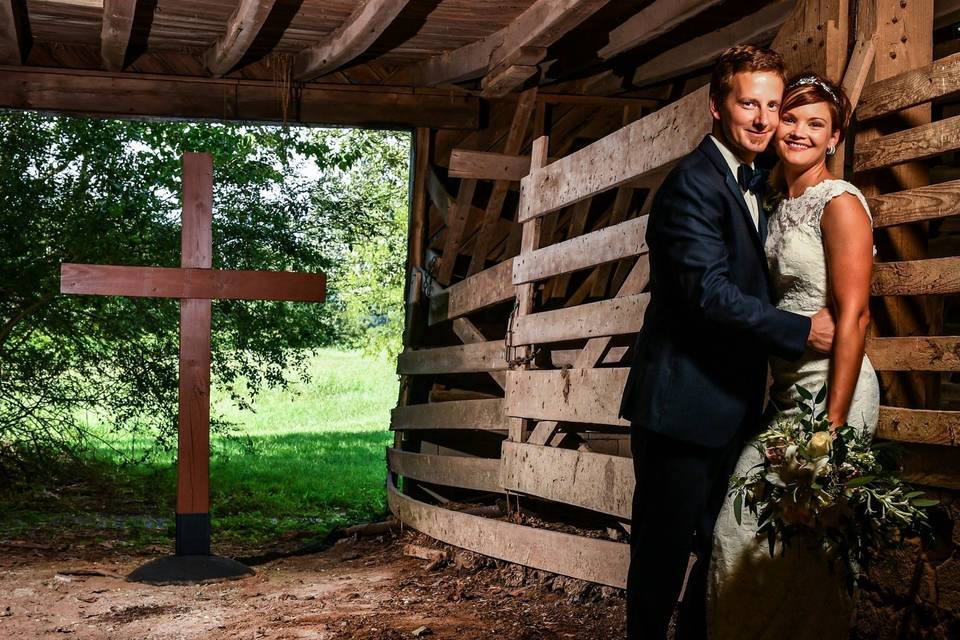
(696, 385)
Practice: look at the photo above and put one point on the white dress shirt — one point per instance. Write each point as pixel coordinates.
(734, 162)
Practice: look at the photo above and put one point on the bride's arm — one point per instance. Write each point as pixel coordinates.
(848, 245)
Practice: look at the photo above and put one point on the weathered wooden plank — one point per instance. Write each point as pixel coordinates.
(917, 353)
(600, 561)
(567, 395)
(594, 481)
(540, 25)
(487, 415)
(931, 465)
(486, 165)
(700, 52)
(604, 318)
(162, 282)
(655, 140)
(480, 474)
(115, 32)
(938, 80)
(485, 289)
(369, 19)
(578, 222)
(921, 142)
(242, 29)
(469, 334)
(598, 247)
(919, 425)
(491, 214)
(124, 95)
(465, 358)
(915, 205)
(936, 276)
(654, 20)
(561, 358)
(14, 32)
(456, 224)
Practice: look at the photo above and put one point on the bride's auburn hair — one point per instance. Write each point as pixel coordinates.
(809, 88)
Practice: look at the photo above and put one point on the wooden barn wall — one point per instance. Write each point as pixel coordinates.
(527, 282)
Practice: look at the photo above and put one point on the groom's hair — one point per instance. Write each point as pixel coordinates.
(740, 59)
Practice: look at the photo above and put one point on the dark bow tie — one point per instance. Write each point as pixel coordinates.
(750, 179)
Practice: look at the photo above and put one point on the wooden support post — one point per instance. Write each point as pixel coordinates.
(529, 241)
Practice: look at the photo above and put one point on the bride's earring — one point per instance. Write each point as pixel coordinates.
(831, 150)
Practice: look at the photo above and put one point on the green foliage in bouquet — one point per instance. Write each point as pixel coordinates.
(836, 491)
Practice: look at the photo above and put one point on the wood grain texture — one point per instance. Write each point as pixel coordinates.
(368, 21)
(918, 143)
(479, 474)
(469, 334)
(916, 86)
(241, 30)
(485, 289)
(101, 93)
(14, 31)
(918, 353)
(919, 425)
(567, 395)
(612, 317)
(930, 202)
(115, 33)
(487, 415)
(486, 165)
(600, 561)
(594, 481)
(935, 276)
(467, 358)
(653, 20)
(658, 139)
(193, 435)
(165, 282)
(598, 247)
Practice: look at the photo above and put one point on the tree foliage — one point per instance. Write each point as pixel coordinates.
(108, 192)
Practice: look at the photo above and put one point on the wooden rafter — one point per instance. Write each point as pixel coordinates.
(654, 20)
(242, 30)
(367, 22)
(702, 51)
(545, 22)
(115, 33)
(14, 31)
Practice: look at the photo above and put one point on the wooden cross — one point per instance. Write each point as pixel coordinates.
(196, 284)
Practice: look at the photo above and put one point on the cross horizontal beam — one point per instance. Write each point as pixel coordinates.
(163, 282)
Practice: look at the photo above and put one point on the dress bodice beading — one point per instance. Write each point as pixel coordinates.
(794, 247)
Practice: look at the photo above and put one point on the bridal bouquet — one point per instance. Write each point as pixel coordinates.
(840, 491)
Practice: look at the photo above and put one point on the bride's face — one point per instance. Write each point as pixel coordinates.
(804, 134)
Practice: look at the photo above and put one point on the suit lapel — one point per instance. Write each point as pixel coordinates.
(708, 147)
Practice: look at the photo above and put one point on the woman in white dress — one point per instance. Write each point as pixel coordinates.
(820, 252)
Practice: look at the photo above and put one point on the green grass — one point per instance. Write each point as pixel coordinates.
(306, 459)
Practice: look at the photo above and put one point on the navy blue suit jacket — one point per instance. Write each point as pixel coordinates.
(700, 362)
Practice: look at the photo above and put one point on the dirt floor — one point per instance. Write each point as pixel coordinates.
(367, 588)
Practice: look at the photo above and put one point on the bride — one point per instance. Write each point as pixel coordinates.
(820, 253)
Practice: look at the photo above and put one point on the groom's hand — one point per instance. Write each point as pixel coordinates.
(821, 331)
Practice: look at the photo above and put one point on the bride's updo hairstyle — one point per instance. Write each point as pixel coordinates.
(809, 88)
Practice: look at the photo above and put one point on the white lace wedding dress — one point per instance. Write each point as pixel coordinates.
(752, 596)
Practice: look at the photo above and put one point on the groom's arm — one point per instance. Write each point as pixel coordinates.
(689, 237)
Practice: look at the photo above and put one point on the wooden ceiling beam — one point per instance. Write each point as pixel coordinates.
(367, 22)
(115, 33)
(242, 30)
(14, 31)
(145, 95)
(541, 25)
(700, 52)
(653, 21)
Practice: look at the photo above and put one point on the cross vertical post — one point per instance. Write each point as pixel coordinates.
(193, 440)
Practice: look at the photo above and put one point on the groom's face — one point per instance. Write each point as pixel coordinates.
(750, 112)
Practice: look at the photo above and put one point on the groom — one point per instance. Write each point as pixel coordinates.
(696, 386)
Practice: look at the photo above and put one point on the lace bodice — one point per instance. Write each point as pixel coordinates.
(794, 247)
